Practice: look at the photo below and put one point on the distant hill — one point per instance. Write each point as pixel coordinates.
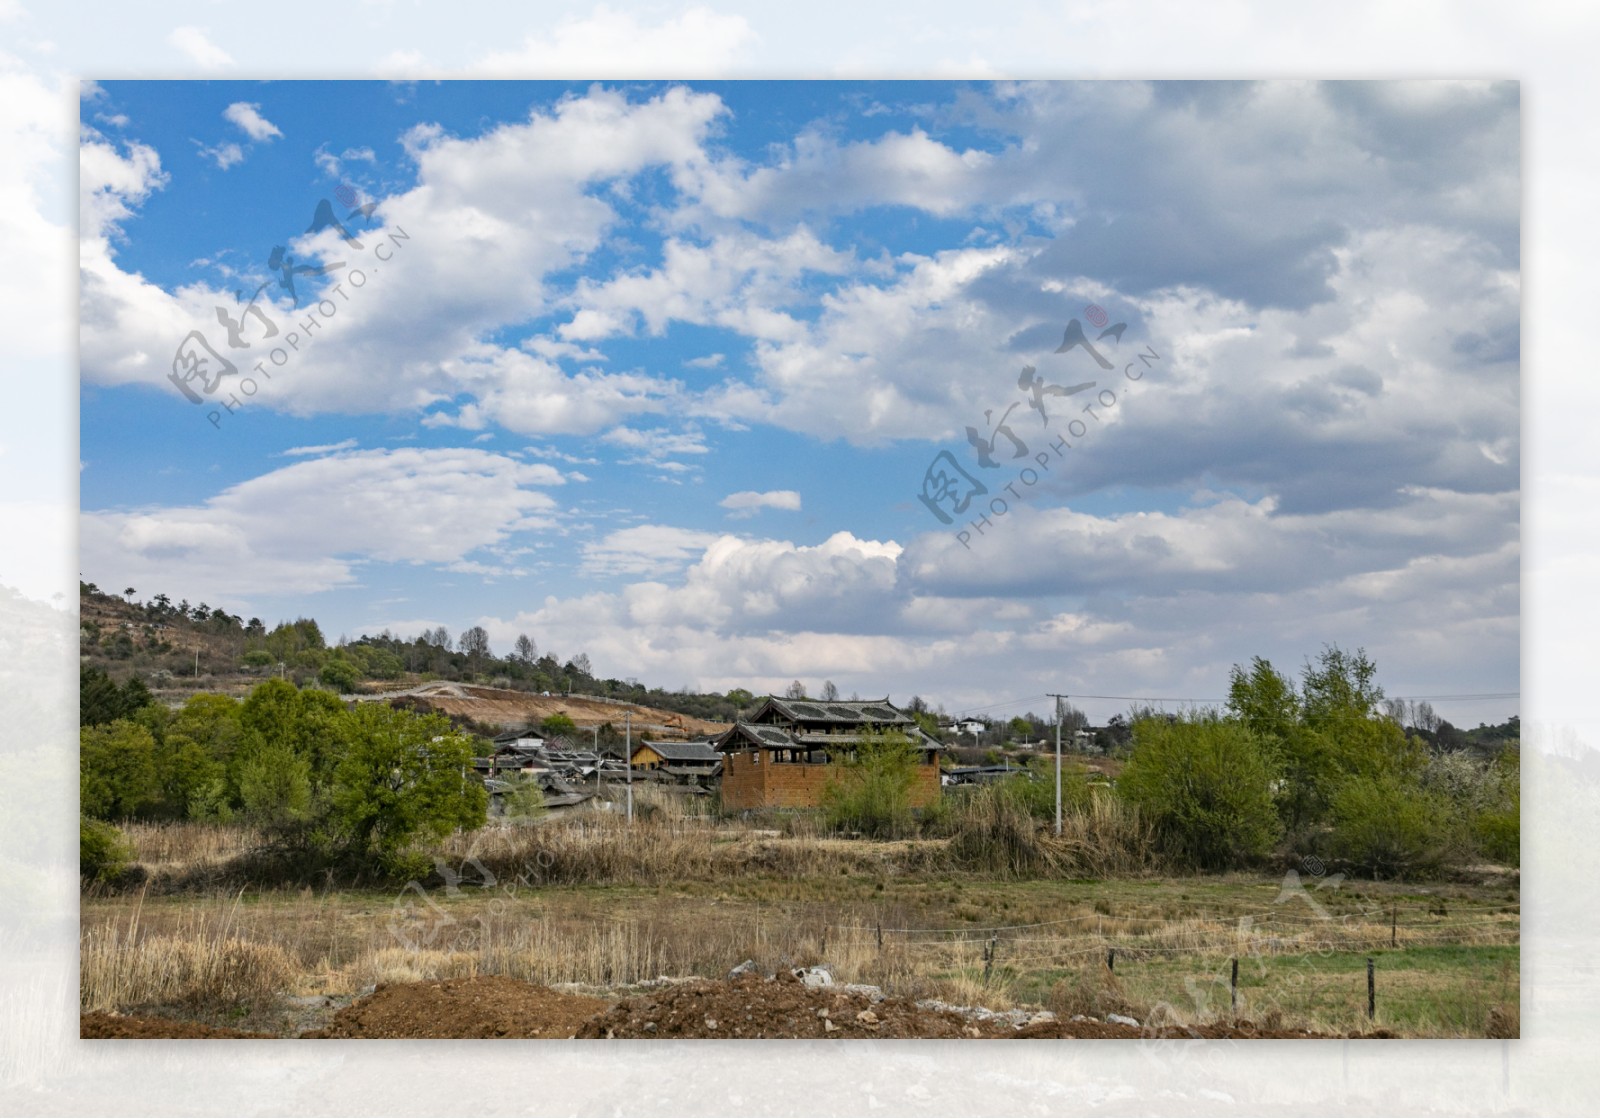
(178, 650)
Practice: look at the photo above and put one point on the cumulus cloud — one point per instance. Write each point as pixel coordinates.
(224, 155)
(1130, 604)
(311, 526)
(497, 213)
(248, 118)
(747, 503)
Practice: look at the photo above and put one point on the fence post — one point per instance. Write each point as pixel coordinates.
(1372, 992)
(1394, 926)
(880, 936)
(1111, 960)
(988, 958)
(1233, 987)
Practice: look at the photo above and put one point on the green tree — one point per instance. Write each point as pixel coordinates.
(557, 725)
(339, 674)
(275, 787)
(525, 802)
(103, 853)
(870, 790)
(101, 701)
(1206, 784)
(1388, 824)
(117, 775)
(1497, 823)
(403, 777)
(276, 713)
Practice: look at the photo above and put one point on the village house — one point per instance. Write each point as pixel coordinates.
(683, 762)
(780, 756)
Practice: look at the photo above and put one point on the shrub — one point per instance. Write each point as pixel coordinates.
(103, 853)
(1206, 786)
(525, 802)
(871, 792)
(1388, 825)
(995, 832)
(557, 725)
(340, 675)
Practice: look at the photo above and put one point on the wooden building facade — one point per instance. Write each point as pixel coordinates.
(782, 755)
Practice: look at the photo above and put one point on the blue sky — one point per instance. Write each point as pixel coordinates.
(653, 371)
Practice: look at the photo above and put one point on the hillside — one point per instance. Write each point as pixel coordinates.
(511, 709)
(179, 650)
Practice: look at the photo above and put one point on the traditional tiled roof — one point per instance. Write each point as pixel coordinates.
(877, 712)
(742, 734)
(684, 751)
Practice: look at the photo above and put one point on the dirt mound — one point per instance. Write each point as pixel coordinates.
(487, 1006)
(750, 1006)
(102, 1025)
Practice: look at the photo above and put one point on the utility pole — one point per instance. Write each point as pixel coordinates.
(628, 757)
(1058, 699)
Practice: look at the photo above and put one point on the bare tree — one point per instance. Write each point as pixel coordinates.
(525, 650)
(796, 690)
(475, 642)
(829, 691)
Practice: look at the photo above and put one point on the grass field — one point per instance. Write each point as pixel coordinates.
(1446, 955)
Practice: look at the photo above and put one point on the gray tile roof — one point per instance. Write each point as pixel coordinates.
(877, 712)
(685, 751)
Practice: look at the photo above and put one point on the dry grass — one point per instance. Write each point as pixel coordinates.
(203, 967)
(588, 900)
(1093, 990)
(181, 847)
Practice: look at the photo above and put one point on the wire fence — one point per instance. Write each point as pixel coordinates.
(1039, 950)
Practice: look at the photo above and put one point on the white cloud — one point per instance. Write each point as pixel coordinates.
(312, 525)
(247, 116)
(493, 215)
(747, 503)
(644, 550)
(112, 179)
(323, 449)
(652, 445)
(198, 47)
(738, 281)
(614, 44)
(224, 155)
(1151, 604)
(819, 175)
(333, 165)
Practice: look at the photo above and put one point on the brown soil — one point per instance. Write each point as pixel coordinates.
(747, 1007)
(102, 1025)
(488, 1006)
(508, 708)
(784, 1008)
